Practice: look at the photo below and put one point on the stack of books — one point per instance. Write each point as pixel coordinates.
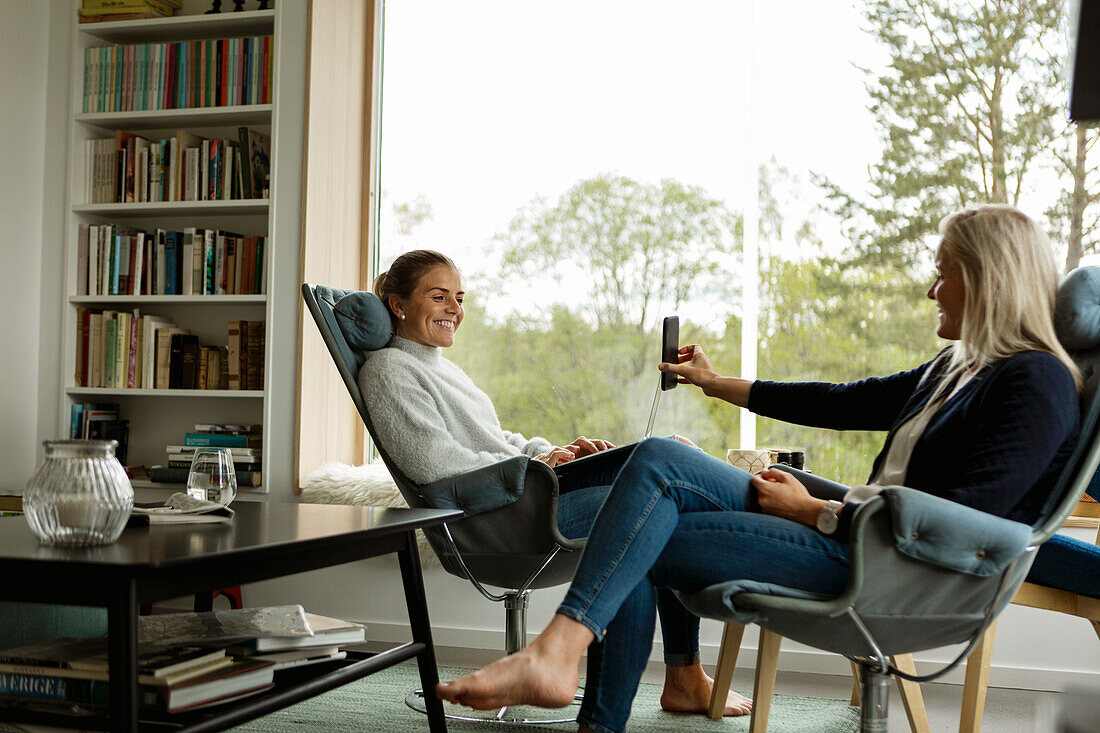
(286, 636)
(98, 11)
(245, 443)
(326, 643)
(172, 679)
(186, 661)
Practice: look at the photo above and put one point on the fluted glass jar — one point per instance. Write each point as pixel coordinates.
(80, 494)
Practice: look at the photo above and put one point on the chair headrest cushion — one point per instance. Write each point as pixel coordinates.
(1077, 310)
(364, 321)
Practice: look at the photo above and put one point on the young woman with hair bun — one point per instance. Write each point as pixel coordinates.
(435, 422)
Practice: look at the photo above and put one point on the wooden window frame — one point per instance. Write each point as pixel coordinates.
(339, 212)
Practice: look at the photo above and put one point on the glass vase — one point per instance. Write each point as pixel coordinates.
(80, 494)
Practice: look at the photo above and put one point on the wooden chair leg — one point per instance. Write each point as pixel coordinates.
(911, 696)
(977, 679)
(855, 685)
(723, 673)
(763, 686)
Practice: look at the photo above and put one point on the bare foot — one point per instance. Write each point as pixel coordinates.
(543, 674)
(688, 690)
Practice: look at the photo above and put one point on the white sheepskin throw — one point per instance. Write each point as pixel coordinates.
(367, 485)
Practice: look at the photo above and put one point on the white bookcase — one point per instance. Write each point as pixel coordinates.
(159, 417)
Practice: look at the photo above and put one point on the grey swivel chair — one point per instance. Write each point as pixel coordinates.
(926, 572)
(516, 547)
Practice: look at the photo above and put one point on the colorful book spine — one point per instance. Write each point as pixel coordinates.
(177, 74)
(223, 440)
(39, 686)
(67, 689)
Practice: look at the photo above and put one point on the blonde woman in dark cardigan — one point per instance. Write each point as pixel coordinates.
(987, 423)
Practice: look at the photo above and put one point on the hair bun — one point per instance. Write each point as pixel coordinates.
(379, 285)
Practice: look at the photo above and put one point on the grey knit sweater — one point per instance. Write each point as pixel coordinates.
(431, 418)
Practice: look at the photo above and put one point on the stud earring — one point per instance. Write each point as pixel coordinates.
(402, 316)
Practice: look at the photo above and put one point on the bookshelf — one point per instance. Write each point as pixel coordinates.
(160, 416)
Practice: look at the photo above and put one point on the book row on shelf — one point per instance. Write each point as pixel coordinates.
(186, 661)
(129, 168)
(180, 74)
(113, 259)
(98, 11)
(101, 421)
(124, 350)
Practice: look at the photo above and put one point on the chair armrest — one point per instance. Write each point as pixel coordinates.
(953, 536)
(511, 507)
(479, 490)
(884, 553)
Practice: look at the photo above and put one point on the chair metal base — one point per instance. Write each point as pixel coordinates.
(874, 700)
(503, 716)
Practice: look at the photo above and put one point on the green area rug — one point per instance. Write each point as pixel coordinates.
(376, 704)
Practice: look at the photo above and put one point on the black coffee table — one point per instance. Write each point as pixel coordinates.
(265, 540)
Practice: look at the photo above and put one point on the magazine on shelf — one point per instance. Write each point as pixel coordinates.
(326, 632)
(217, 627)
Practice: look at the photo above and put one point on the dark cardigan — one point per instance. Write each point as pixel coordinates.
(998, 445)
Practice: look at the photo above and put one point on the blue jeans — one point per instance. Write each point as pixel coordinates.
(676, 518)
(581, 496)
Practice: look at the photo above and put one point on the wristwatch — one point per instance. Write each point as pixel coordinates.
(828, 519)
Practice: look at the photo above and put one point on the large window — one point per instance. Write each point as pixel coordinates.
(591, 166)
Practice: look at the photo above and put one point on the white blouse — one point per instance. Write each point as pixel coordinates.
(896, 464)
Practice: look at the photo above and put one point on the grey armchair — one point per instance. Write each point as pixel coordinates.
(516, 547)
(926, 572)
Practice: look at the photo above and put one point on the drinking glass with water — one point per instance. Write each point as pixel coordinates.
(212, 477)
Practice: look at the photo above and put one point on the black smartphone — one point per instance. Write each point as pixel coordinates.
(670, 349)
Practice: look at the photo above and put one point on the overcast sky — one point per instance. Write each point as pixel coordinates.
(489, 103)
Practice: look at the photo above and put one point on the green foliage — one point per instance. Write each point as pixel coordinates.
(825, 320)
(409, 215)
(1074, 218)
(559, 377)
(639, 249)
(965, 111)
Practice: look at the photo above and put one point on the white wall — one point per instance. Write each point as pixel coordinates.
(34, 55)
(1034, 649)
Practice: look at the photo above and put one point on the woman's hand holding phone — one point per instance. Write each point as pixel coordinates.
(693, 367)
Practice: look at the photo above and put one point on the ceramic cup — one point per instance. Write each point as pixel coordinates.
(751, 461)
